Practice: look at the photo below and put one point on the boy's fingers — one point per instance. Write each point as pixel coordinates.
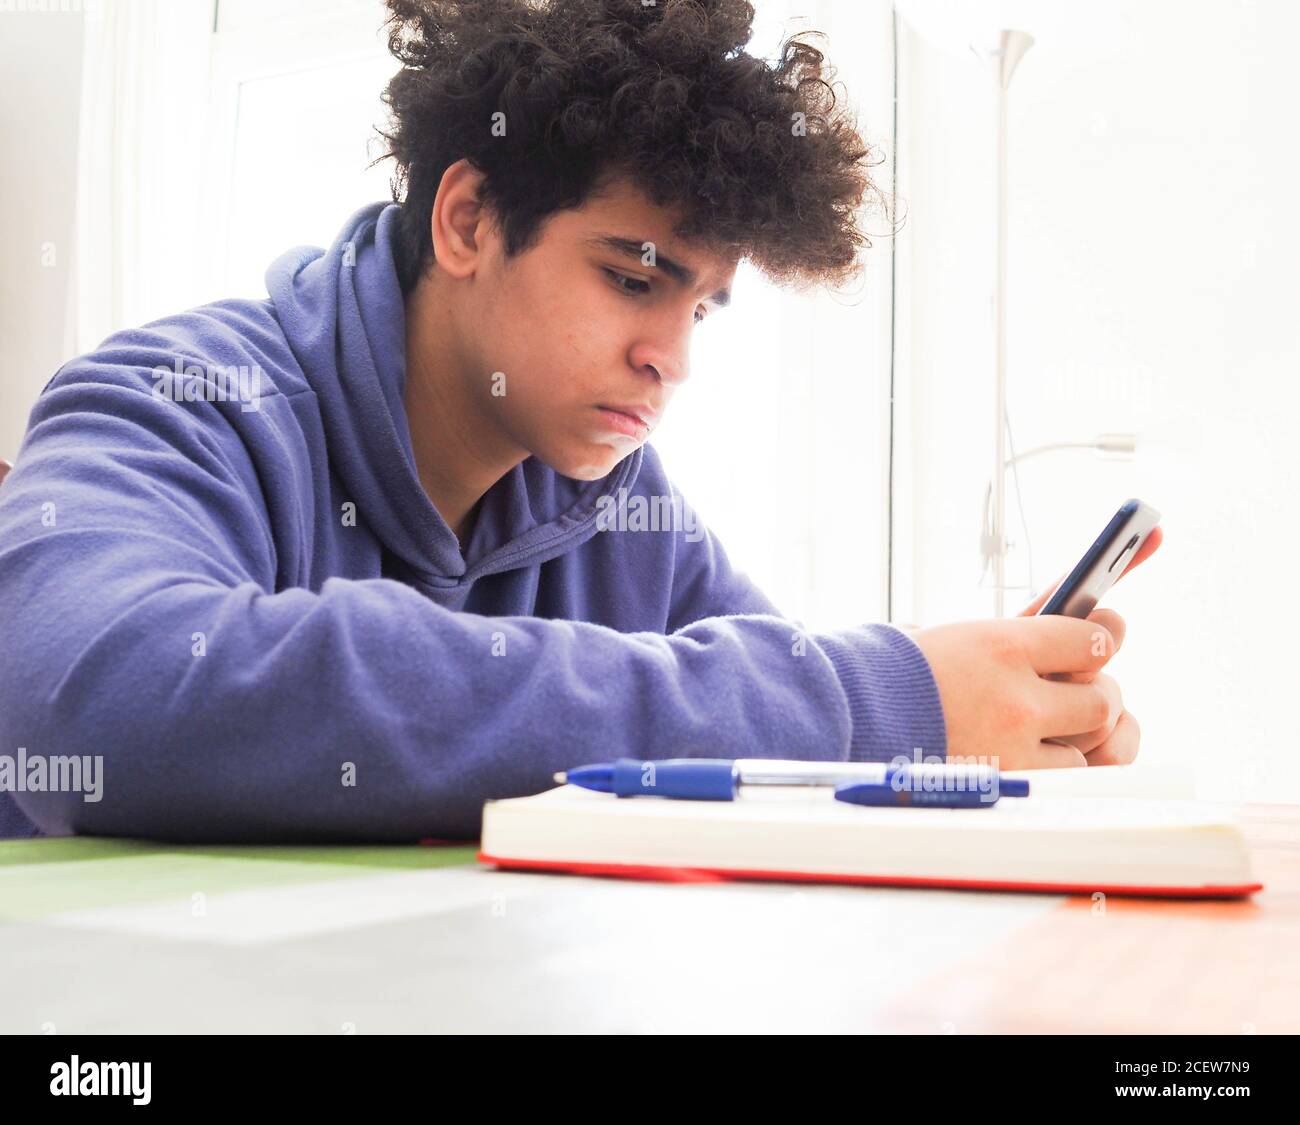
(1058, 755)
(1088, 741)
(1148, 548)
(1053, 754)
(1112, 622)
(1121, 747)
(1083, 708)
(1066, 644)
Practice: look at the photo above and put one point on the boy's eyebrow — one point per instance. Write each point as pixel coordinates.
(634, 248)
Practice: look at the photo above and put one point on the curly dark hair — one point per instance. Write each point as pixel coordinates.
(757, 157)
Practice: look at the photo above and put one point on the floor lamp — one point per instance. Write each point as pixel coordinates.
(1003, 60)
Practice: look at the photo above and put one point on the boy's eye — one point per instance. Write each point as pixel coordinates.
(630, 285)
(636, 287)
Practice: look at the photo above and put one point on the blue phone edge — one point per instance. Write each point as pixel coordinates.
(1100, 547)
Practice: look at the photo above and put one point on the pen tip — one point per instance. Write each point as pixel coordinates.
(560, 778)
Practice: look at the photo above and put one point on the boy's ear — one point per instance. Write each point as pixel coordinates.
(458, 220)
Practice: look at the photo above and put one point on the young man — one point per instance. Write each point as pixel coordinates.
(344, 563)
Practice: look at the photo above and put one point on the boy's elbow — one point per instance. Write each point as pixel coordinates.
(55, 814)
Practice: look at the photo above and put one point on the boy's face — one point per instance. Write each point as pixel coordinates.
(588, 326)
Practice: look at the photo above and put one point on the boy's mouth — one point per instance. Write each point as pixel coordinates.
(630, 421)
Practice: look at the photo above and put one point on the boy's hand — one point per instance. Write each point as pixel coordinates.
(998, 702)
(1019, 690)
(1116, 744)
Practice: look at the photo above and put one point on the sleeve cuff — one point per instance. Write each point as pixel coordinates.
(891, 691)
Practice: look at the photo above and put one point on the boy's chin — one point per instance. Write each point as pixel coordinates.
(591, 463)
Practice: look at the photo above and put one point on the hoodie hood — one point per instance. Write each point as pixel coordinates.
(343, 314)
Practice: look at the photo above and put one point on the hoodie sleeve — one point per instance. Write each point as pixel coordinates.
(137, 573)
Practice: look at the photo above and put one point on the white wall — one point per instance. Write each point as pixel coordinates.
(1153, 287)
(40, 90)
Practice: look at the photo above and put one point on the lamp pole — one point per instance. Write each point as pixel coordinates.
(1004, 57)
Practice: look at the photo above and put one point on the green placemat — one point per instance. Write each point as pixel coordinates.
(48, 876)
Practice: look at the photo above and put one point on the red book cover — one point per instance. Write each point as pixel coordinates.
(709, 875)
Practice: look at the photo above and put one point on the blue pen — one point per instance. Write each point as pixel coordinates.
(903, 791)
(719, 779)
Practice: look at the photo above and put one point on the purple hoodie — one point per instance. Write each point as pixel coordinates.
(229, 587)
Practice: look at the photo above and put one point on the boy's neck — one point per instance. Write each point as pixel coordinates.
(460, 452)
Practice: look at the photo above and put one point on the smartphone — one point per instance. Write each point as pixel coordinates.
(1104, 561)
